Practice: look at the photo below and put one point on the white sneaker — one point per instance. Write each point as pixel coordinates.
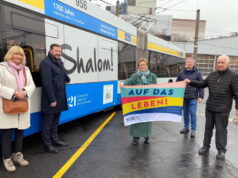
(18, 159)
(8, 164)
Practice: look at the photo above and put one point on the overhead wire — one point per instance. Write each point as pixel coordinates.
(105, 2)
(145, 2)
(102, 1)
(177, 24)
(169, 9)
(173, 5)
(166, 2)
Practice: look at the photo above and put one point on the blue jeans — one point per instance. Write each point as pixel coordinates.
(189, 113)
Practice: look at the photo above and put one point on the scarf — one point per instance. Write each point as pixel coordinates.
(18, 72)
(144, 76)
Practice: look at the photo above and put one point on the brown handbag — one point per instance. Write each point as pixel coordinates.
(15, 107)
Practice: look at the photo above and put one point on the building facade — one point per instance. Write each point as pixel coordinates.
(184, 29)
(210, 49)
(141, 7)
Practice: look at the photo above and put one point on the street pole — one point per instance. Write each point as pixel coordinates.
(117, 8)
(195, 50)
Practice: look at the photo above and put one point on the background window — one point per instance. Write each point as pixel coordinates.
(131, 2)
(126, 60)
(164, 65)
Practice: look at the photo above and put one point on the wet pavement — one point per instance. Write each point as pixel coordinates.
(111, 155)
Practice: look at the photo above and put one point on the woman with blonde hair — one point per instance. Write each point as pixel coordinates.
(16, 83)
(142, 77)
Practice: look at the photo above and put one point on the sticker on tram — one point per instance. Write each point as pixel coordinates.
(107, 94)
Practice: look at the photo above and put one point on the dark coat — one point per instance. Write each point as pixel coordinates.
(53, 78)
(223, 87)
(191, 92)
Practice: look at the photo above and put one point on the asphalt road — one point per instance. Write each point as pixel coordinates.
(111, 155)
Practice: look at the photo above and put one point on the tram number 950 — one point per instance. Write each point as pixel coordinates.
(81, 3)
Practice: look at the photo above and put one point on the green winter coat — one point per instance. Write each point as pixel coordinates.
(141, 129)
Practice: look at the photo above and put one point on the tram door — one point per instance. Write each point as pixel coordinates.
(29, 58)
(29, 53)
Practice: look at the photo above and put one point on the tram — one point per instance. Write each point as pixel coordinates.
(98, 50)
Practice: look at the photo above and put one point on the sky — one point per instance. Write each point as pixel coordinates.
(221, 15)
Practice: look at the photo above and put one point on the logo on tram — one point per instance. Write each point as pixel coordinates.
(88, 65)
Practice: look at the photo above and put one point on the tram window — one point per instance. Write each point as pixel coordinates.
(164, 65)
(1, 55)
(27, 30)
(27, 24)
(152, 62)
(126, 60)
(1, 30)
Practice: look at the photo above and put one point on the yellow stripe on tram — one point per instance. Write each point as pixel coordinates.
(163, 49)
(120, 34)
(37, 3)
(78, 153)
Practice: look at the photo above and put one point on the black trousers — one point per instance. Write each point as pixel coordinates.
(50, 128)
(7, 140)
(220, 121)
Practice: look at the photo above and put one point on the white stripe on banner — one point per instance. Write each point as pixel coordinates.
(149, 117)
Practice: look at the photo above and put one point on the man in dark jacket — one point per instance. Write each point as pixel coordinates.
(223, 87)
(191, 97)
(53, 97)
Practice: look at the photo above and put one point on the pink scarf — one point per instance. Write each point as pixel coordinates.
(18, 72)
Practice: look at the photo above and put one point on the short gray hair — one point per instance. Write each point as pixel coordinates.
(225, 57)
(190, 58)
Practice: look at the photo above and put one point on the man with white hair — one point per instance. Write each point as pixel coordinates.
(223, 87)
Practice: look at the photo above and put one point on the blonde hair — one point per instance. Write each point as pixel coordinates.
(15, 50)
(142, 60)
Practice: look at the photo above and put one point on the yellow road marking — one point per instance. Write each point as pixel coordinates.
(76, 155)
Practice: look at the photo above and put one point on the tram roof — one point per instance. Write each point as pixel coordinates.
(160, 45)
(53, 7)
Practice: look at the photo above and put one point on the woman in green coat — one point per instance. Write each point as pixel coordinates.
(142, 77)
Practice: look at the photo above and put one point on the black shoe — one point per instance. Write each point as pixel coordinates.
(184, 130)
(203, 150)
(193, 134)
(220, 155)
(135, 141)
(146, 141)
(51, 149)
(60, 143)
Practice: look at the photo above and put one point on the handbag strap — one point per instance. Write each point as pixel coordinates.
(24, 73)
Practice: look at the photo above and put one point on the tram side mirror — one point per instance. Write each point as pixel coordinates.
(170, 81)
